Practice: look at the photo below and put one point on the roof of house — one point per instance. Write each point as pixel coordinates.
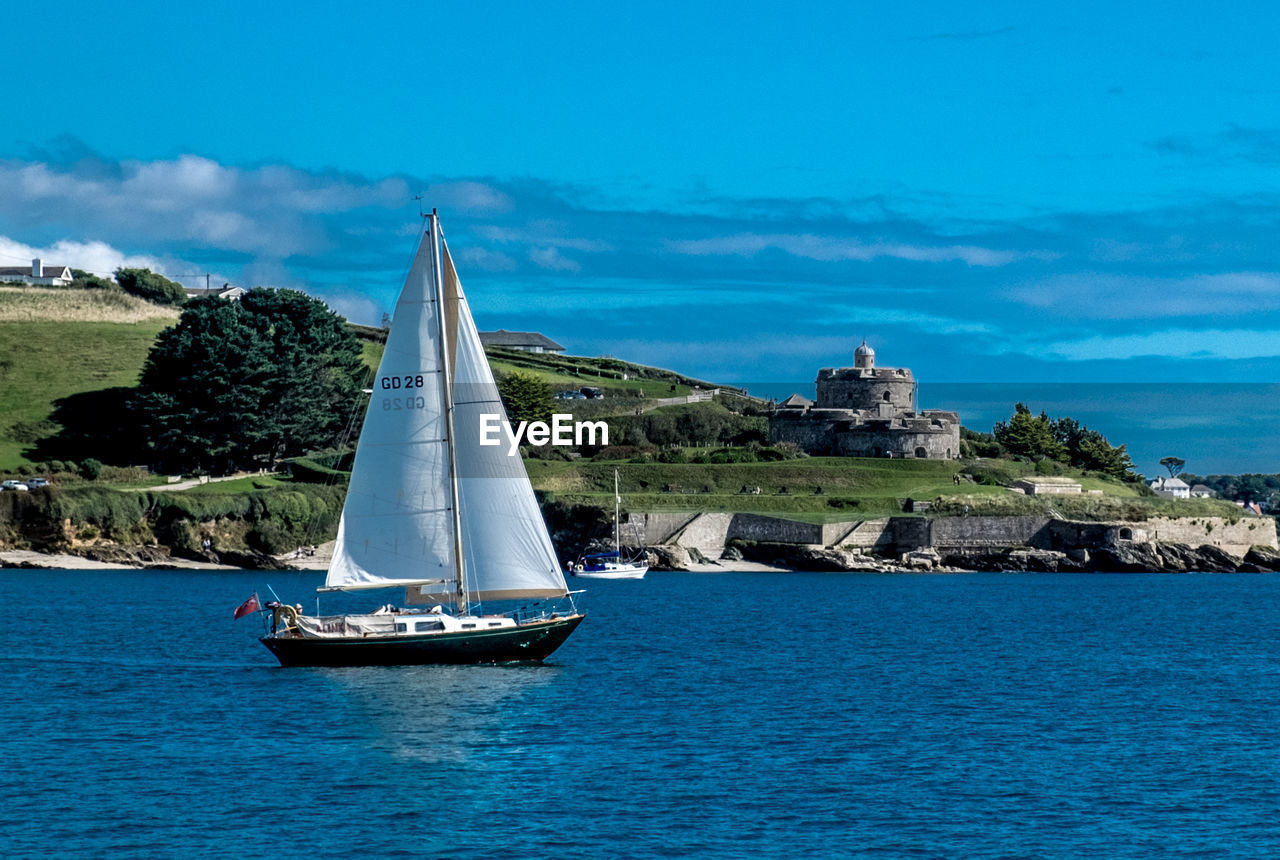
(1170, 484)
(502, 337)
(795, 401)
(50, 271)
(1201, 488)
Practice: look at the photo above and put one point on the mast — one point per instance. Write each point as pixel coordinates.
(617, 513)
(446, 390)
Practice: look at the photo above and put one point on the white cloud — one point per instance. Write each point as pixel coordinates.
(1101, 295)
(834, 249)
(552, 260)
(359, 309)
(97, 257)
(1169, 343)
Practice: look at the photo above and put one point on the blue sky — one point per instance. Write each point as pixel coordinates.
(1010, 192)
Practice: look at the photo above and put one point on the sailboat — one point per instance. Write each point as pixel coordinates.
(609, 565)
(430, 510)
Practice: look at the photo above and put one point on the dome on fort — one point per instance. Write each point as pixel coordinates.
(864, 356)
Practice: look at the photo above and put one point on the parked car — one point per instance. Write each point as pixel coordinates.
(14, 485)
(37, 483)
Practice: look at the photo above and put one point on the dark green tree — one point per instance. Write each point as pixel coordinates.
(526, 396)
(974, 444)
(1031, 436)
(1173, 464)
(1088, 449)
(83, 280)
(238, 385)
(146, 284)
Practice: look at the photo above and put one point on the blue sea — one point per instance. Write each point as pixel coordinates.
(691, 715)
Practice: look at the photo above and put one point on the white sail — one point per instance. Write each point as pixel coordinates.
(507, 552)
(396, 525)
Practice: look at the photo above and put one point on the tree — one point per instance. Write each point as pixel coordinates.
(974, 444)
(243, 384)
(1027, 435)
(1173, 464)
(526, 396)
(83, 280)
(146, 284)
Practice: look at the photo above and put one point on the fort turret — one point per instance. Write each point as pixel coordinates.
(866, 411)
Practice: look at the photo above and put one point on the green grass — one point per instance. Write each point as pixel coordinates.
(576, 371)
(240, 485)
(371, 354)
(852, 488)
(43, 361)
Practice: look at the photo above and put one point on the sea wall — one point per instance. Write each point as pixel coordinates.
(710, 532)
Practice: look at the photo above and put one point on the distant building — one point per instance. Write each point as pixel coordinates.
(1174, 488)
(37, 275)
(866, 411)
(1047, 485)
(525, 341)
(227, 292)
(1200, 491)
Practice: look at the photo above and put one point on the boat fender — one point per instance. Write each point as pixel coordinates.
(288, 613)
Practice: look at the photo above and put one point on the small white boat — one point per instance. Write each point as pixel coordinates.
(610, 565)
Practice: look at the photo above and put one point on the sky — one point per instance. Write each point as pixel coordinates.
(1001, 193)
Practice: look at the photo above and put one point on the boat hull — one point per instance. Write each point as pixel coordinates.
(612, 574)
(526, 643)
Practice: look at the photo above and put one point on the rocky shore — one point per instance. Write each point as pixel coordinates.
(119, 557)
(1137, 558)
(739, 556)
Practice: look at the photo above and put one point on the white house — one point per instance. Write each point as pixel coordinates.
(37, 275)
(1175, 488)
(525, 341)
(1200, 491)
(227, 292)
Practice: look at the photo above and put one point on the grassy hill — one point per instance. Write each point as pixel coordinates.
(851, 488)
(55, 343)
(614, 377)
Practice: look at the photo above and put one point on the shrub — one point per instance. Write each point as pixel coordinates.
(146, 284)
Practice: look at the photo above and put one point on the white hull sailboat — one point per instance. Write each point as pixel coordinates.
(610, 565)
(429, 510)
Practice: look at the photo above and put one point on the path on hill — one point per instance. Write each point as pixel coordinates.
(195, 482)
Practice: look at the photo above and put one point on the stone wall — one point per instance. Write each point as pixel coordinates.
(854, 388)
(917, 438)
(824, 432)
(709, 532)
(863, 535)
(813, 431)
(1234, 538)
(957, 534)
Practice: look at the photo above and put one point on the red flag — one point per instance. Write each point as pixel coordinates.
(250, 605)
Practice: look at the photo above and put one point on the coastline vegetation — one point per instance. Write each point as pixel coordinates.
(71, 361)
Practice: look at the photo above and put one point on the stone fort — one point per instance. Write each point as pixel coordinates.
(866, 411)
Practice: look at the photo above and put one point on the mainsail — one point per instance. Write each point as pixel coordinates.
(398, 526)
